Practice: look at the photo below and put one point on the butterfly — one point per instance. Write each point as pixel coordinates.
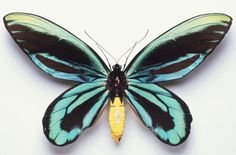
(170, 56)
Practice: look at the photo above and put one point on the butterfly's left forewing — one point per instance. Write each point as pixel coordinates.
(165, 114)
(74, 111)
(55, 50)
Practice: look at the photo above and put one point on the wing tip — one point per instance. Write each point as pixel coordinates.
(5, 18)
(224, 17)
(15, 15)
(8, 16)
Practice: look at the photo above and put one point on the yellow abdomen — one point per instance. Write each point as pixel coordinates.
(117, 119)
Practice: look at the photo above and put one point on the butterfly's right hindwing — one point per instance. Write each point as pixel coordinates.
(74, 111)
(164, 113)
(55, 50)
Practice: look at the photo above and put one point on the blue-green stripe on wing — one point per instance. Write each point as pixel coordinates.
(165, 114)
(53, 49)
(74, 111)
(180, 50)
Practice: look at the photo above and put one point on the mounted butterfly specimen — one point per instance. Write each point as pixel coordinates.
(171, 56)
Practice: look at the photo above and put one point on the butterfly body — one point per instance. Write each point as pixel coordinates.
(117, 118)
(170, 56)
(116, 82)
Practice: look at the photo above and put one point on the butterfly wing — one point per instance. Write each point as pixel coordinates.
(53, 49)
(164, 113)
(180, 50)
(74, 111)
(171, 56)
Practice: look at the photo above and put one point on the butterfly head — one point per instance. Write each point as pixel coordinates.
(116, 67)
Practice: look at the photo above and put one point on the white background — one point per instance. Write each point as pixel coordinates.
(116, 24)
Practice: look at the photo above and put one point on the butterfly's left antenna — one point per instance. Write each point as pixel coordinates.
(101, 49)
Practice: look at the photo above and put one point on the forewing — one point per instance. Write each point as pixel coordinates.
(180, 50)
(164, 113)
(74, 111)
(53, 49)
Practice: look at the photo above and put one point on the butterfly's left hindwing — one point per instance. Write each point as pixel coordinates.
(164, 113)
(55, 50)
(74, 111)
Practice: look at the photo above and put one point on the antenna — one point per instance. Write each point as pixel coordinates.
(101, 49)
(132, 49)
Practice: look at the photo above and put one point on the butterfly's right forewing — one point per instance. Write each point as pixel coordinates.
(180, 50)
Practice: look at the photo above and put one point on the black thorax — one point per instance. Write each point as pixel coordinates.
(116, 82)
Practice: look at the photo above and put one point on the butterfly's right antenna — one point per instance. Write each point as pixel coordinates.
(132, 49)
(101, 49)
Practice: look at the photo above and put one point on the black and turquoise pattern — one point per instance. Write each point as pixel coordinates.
(55, 50)
(180, 50)
(164, 113)
(171, 56)
(74, 111)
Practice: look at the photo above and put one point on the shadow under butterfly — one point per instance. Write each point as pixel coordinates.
(171, 56)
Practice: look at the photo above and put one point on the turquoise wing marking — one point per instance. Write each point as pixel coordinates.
(180, 50)
(55, 50)
(165, 114)
(74, 111)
